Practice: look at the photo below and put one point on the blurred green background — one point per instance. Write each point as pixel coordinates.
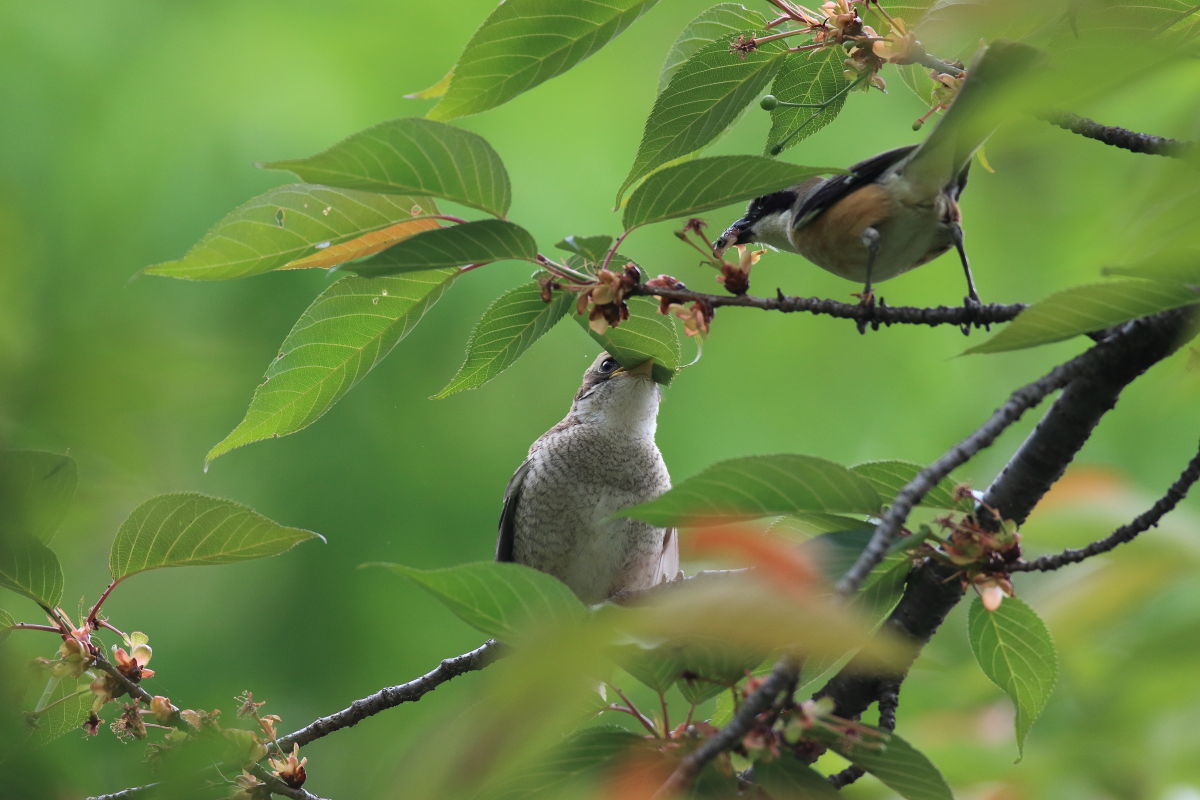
(133, 126)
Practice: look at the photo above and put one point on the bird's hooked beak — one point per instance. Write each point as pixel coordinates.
(642, 370)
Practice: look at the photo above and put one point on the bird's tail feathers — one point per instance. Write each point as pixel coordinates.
(981, 105)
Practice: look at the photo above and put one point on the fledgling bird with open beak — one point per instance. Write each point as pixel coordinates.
(601, 458)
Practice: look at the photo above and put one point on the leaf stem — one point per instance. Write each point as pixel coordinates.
(91, 617)
(608, 257)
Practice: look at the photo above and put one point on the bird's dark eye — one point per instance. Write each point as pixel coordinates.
(608, 366)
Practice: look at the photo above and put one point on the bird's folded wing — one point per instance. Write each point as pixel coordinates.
(508, 514)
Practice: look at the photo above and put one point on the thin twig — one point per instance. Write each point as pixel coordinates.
(393, 696)
(1120, 137)
(877, 315)
(1125, 533)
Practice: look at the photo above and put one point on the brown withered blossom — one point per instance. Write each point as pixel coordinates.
(290, 770)
(664, 282)
(606, 298)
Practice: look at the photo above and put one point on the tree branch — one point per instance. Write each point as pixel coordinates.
(877, 315)
(1099, 374)
(393, 696)
(1119, 137)
(1125, 533)
(934, 588)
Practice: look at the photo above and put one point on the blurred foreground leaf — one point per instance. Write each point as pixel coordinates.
(1014, 650)
(707, 183)
(525, 42)
(455, 246)
(35, 491)
(787, 778)
(760, 486)
(347, 330)
(188, 529)
(63, 707)
(646, 334)
(499, 598)
(6, 623)
(283, 225)
(585, 753)
(30, 568)
(412, 156)
(508, 327)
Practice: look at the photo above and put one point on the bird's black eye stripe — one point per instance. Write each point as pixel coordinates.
(608, 366)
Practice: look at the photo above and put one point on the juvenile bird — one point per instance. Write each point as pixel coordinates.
(896, 210)
(601, 458)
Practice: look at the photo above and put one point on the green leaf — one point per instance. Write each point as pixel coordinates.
(412, 156)
(722, 22)
(706, 95)
(812, 77)
(282, 225)
(897, 764)
(509, 326)
(646, 334)
(582, 754)
(63, 707)
(786, 778)
(710, 665)
(1014, 650)
(525, 42)
(498, 598)
(338, 339)
(188, 529)
(889, 477)
(591, 248)
(454, 246)
(435, 91)
(707, 183)
(30, 568)
(35, 492)
(1083, 309)
(6, 623)
(760, 486)
(808, 525)
(656, 667)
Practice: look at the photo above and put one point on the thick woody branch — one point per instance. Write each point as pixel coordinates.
(876, 315)
(1098, 375)
(393, 696)
(1125, 533)
(1120, 137)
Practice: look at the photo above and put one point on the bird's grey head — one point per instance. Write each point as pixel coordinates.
(618, 398)
(766, 220)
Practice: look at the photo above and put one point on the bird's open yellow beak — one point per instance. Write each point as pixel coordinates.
(642, 370)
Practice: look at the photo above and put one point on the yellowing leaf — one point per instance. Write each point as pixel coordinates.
(366, 245)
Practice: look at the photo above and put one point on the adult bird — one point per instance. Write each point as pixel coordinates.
(601, 458)
(896, 210)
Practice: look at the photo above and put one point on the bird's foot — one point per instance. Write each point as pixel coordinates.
(866, 301)
(972, 303)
